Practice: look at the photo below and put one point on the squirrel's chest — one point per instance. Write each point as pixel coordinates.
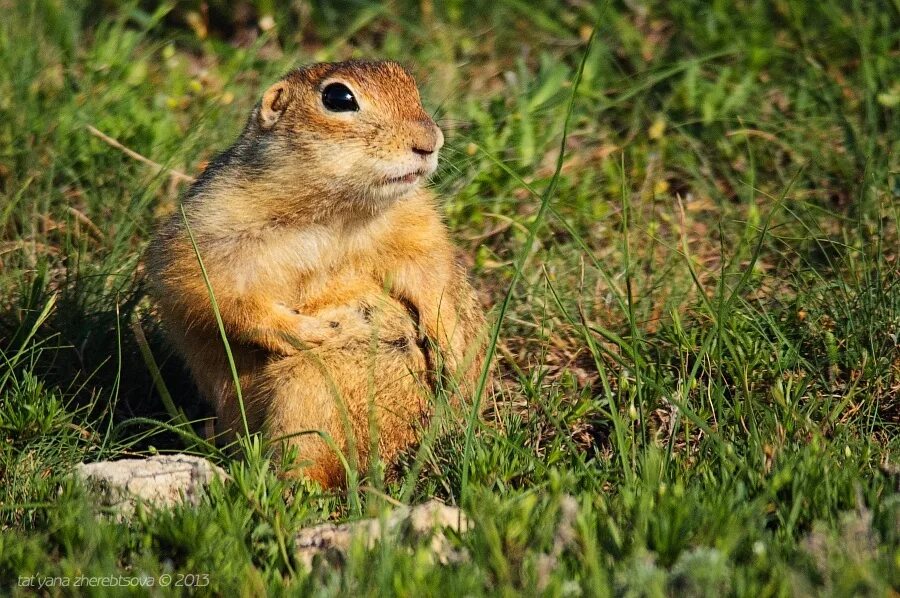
(289, 259)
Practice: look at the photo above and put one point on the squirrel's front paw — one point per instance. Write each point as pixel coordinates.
(306, 330)
(315, 330)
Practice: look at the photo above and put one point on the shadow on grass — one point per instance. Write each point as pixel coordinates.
(87, 352)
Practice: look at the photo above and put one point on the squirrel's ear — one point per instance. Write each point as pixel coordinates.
(274, 102)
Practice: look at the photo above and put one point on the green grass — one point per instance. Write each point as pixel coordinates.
(700, 291)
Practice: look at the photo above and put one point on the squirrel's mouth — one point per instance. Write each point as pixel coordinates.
(406, 179)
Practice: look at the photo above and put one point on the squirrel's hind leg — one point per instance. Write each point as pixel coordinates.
(336, 404)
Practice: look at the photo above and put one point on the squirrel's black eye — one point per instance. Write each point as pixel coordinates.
(337, 97)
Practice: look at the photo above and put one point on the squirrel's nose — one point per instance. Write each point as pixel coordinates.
(430, 142)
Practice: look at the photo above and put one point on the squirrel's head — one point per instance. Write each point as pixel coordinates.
(352, 131)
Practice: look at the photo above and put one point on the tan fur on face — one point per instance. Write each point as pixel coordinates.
(333, 278)
(356, 152)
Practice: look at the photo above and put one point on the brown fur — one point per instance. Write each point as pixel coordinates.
(333, 282)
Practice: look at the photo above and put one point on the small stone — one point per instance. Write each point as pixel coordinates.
(160, 481)
(425, 523)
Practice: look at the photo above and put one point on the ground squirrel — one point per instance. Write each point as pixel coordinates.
(332, 269)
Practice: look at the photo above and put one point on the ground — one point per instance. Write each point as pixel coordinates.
(683, 215)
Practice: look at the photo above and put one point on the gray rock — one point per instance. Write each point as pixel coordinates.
(159, 481)
(164, 481)
(425, 524)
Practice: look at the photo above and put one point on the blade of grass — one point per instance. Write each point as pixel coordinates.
(519, 264)
(219, 323)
